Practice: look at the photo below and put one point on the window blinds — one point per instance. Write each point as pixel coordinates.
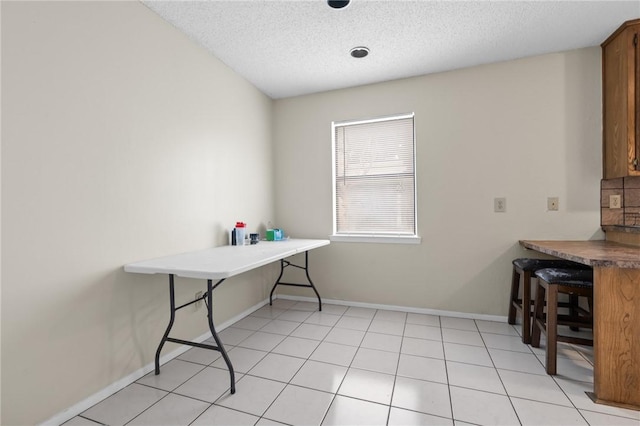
(375, 177)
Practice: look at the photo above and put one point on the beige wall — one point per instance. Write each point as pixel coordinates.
(524, 130)
(122, 140)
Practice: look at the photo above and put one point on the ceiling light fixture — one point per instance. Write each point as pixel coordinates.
(359, 52)
(338, 4)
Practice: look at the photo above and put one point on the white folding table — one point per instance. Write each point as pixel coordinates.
(220, 263)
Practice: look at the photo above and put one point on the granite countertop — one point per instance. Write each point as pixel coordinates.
(598, 253)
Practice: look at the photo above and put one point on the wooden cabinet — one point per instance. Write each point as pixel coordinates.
(621, 102)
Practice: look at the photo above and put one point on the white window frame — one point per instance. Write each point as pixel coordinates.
(372, 237)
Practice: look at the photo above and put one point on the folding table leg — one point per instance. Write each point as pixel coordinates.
(306, 270)
(172, 302)
(277, 282)
(215, 335)
(284, 264)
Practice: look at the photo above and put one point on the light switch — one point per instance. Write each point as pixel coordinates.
(553, 204)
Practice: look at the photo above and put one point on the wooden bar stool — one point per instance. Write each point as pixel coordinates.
(551, 282)
(523, 270)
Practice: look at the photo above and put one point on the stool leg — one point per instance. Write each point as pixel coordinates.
(526, 307)
(552, 329)
(538, 315)
(573, 310)
(513, 298)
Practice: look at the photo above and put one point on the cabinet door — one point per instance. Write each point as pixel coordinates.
(634, 149)
(621, 102)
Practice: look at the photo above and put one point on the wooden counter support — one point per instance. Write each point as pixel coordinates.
(617, 337)
(616, 325)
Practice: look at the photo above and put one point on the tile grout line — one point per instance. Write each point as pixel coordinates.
(395, 376)
(446, 371)
(243, 375)
(360, 346)
(307, 359)
(523, 372)
(261, 416)
(171, 392)
(297, 371)
(247, 373)
(146, 409)
(335, 394)
(506, 392)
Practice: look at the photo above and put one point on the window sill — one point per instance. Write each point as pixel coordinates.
(392, 239)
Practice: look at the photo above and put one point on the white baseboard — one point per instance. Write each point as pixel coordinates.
(398, 308)
(89, 402)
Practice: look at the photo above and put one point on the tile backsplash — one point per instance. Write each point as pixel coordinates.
(628, 188)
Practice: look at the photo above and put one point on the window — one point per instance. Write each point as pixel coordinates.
(374, 180)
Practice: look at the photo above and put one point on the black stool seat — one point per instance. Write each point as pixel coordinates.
(523, 270)
(567, 277)
(527, 264)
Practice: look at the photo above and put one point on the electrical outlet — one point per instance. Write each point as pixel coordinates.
(500, 205)
(614, 202)
(198, 297)
(553, 203)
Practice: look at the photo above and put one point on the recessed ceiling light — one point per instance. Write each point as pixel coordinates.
(338, 4)
(359, 52)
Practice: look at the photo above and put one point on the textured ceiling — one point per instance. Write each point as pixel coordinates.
(290, 48)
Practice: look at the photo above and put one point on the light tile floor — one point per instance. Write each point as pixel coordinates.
(359, 366)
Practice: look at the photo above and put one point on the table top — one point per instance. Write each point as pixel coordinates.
(599, 253)
(224, 261)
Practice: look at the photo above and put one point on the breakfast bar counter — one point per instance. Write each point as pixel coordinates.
(616, 314)
(599, 253)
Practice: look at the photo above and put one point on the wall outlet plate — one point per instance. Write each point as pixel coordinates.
(553, 203)
(500, 205)
(615, 202)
